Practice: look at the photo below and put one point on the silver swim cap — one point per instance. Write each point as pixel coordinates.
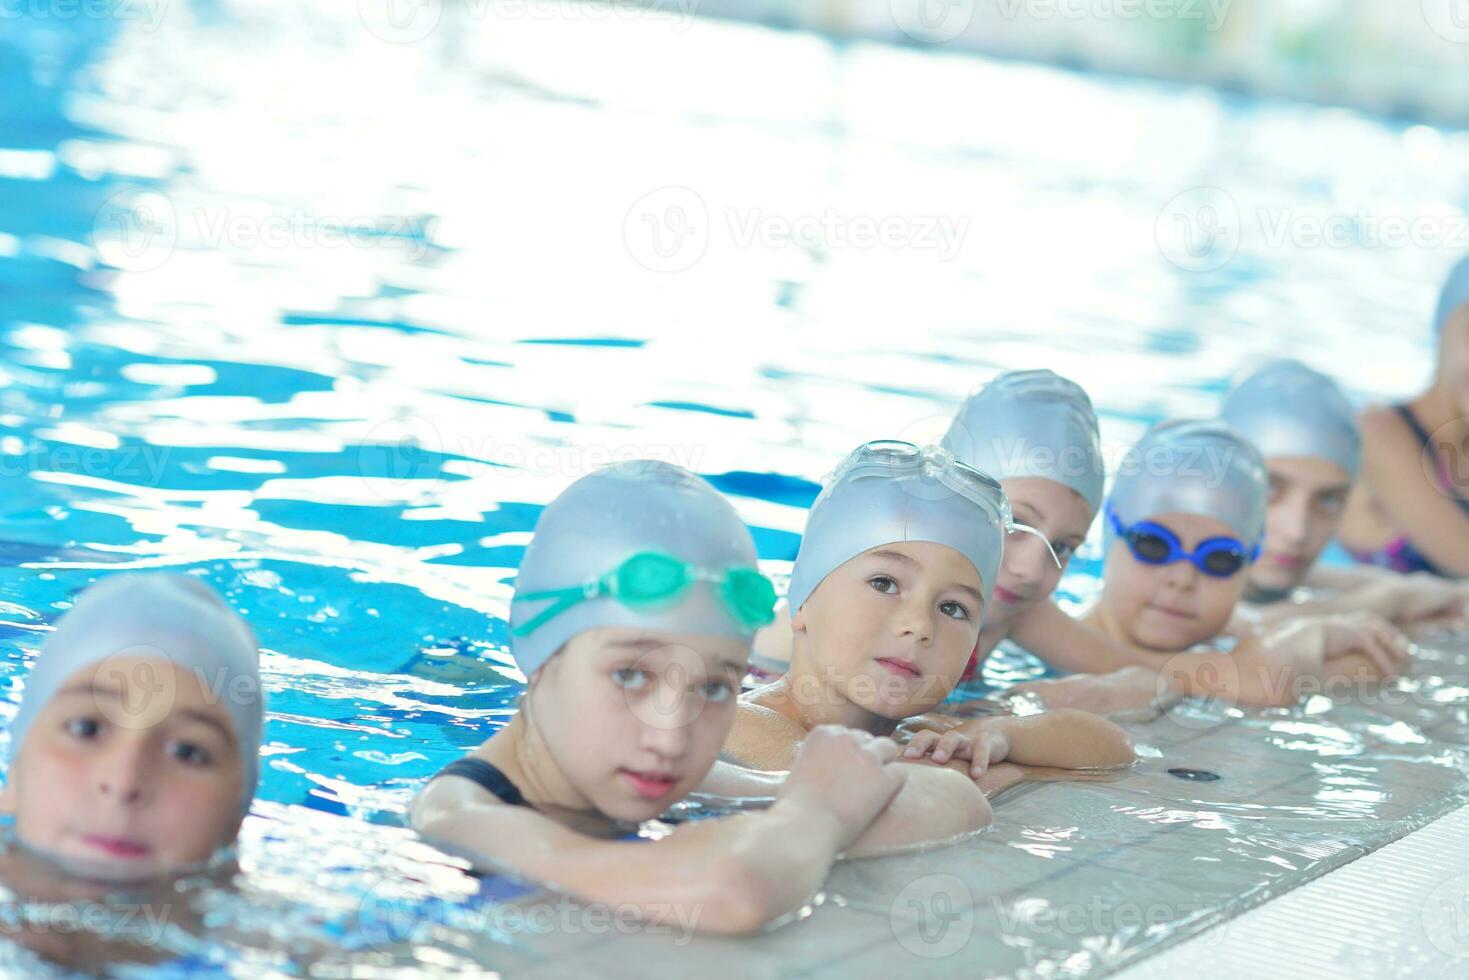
(890, 491)
(567, 582)
(162, 614)
(1189, 467)
(1287, 409)
(1455, 293)
(1032, 423)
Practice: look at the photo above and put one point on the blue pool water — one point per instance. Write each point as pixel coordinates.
(326, 318)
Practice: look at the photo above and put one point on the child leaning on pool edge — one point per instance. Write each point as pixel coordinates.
(135, 752)
(888, 596)
(632, 618)
(1307, 431)
(1185, 522)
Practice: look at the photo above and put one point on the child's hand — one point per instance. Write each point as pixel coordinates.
(982, 747)
(1368, 634)
(847, 772)
(1431, 598)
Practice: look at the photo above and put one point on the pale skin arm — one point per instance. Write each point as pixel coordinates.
(1391, 463)
(1402, 599)
(1114, 678)
(735, 874)
(731, 875)
(935, 804)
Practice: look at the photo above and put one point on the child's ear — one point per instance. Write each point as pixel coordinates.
(798, 620)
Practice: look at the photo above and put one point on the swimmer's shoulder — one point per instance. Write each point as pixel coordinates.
(761, 737)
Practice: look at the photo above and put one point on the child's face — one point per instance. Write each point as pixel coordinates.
(635, 718)
(892, 629)
(1028, 575)
(1307, 495)
(1169, 608)
(131, 771)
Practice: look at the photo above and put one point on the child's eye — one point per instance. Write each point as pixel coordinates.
(718, 691)
(954, 610)
(190, 753)
(630, 678)
(83, 728)
(882, 584)
(1064, 552)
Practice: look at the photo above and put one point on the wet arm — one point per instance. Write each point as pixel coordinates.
(731, 875)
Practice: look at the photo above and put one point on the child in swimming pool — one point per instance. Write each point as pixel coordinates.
(632, 617)
(889, 593)
(1184, 523)
(1305, 428)
(135, 752)
(1409, 512)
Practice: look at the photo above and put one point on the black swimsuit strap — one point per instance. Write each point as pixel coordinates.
(1406, 411)
(1427, 441)
(489, 777)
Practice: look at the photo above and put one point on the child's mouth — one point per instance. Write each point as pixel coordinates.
(901, 667)
(650, 786)
(117, 847)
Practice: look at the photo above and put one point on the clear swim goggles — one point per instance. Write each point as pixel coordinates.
(895, 459)
(652, 579)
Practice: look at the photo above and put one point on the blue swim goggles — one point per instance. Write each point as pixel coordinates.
(1154, 544)
(650, 580)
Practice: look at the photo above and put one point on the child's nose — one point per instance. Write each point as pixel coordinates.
(123, 771)
(1181, 575)
(915, 619)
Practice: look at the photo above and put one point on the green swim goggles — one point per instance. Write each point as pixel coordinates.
(650, 579)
